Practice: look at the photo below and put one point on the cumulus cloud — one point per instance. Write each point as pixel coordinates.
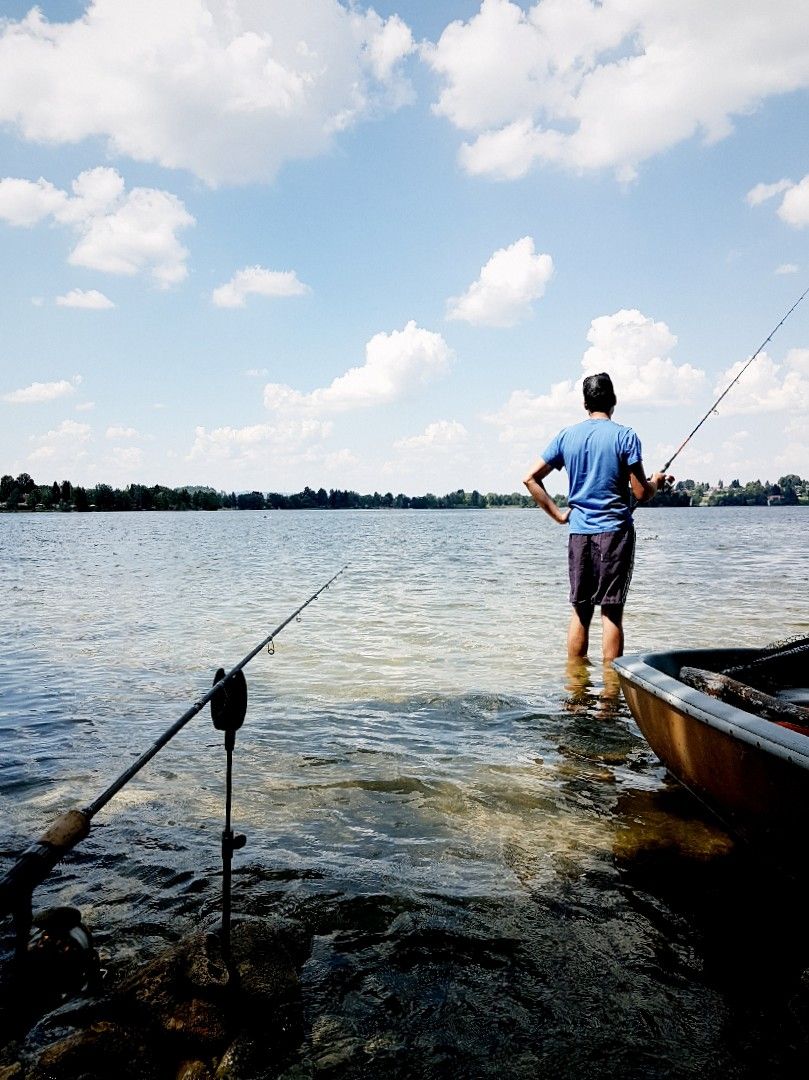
(90, 299)
(256, 443)
(258, 281)
(395, 364)
(118, 232)
(798, 360)
(122, 433)
(589, 85)
(762, 192)
(510, 281)
(794, 206)
(436, 436)
(787, 268)
(795, 454)
(229, 90)
(339, 460)
(127, 458)
(767, 386)
(524, 415)
(64, 446)
(38, 392)
(633, 349)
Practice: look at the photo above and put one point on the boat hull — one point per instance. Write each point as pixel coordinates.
(753, 774)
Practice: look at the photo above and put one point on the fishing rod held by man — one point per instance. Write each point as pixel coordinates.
(605, 470)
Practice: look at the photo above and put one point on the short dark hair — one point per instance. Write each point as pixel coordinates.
(599, 395)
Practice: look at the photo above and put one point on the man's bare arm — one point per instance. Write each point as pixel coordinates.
(645, 489)
(540, 496)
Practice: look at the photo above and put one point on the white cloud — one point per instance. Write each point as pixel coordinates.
(86, 406)
(118, 233)
(38, 392)
(256, 373)
(787, 268)
(122, 433)
(767, 386)
(512, 278)
(592, 85)
(261, 282)
(798, 360)
(229, 90)
(26, 203)
(633, 348)
(735, 445)
(127, 458)
(62, 447)
(444, 452)
(761, 192)
(628, 345)
(794, 207)
(90, 299)
(524, 414)
(340, 460)
(795, 455)
(256, 443)
(439, 435)
(395, 364)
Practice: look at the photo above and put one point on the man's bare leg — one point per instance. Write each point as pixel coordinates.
(578, 632)
(612, 630)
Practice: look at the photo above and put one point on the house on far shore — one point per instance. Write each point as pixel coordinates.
(775, 500)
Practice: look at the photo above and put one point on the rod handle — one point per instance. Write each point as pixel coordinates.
(37, 861)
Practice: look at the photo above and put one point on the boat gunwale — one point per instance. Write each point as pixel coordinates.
(640, 670)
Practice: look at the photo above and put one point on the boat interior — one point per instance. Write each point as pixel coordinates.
(772, 682)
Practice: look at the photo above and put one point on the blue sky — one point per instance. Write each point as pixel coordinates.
(258, 245)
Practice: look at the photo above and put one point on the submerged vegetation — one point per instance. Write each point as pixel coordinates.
(22, 493)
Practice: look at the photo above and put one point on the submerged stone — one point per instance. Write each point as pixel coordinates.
(103, 1051)
(193, 1070)
(185, 1008)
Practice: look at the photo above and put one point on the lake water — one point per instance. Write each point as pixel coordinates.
(499, 876)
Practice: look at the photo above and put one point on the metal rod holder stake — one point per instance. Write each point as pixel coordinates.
(228, 709)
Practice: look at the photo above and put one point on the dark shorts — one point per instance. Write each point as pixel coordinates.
(600, 566)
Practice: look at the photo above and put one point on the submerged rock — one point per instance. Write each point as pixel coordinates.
(193, 1070)
(187, 1013)
(103, 1051)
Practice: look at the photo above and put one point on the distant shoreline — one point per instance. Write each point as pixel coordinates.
(23, 495)
(27, 512)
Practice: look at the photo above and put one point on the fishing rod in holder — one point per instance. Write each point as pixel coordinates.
(228, 698)
(733, 382)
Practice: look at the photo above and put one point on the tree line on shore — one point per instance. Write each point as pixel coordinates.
(23, 493)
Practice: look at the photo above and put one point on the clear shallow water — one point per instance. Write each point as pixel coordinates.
(498, 875)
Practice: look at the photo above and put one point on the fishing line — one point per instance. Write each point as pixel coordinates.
(732, 383)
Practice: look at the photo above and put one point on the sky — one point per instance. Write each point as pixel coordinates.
(260, 245)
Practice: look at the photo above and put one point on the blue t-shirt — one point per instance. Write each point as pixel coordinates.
(597, 455)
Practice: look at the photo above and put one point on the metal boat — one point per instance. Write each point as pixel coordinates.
(747, 761)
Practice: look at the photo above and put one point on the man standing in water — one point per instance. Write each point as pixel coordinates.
(603, 461)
